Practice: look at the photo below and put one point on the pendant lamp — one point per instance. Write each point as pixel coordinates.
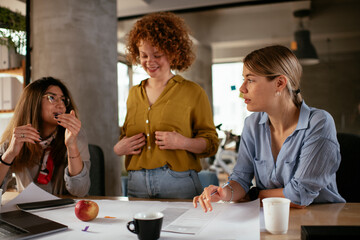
(302, 46)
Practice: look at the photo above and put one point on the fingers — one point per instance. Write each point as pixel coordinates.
(206, 198)
(21, 135)
(204, 203)
(130, 145)
(26, 133)
(70, 122)
(195, 200)
(136, 143)
(166, 140)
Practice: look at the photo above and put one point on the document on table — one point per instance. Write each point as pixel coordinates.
(31, 193)
(185, 221)
(225, 221)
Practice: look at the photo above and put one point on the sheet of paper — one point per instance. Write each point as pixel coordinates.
(31, 193)
(189, 221)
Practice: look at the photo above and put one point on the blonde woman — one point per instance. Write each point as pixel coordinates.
(44, 142)
(290, 148)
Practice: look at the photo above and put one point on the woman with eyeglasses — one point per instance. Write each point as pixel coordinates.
(44, 142)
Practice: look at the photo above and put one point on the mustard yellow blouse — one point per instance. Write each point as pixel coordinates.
(184, 107)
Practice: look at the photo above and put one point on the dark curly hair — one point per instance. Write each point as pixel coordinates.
(168, 33)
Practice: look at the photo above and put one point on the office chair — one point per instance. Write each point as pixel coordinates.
(97, 171)
(348, 174)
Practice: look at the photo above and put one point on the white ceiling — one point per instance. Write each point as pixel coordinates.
(128, 8)
(234, 31)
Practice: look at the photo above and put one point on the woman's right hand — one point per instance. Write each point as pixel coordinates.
(21, 134)
(205, 198)
(130, 145)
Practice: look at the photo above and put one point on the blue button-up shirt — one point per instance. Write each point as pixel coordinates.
(306, 164)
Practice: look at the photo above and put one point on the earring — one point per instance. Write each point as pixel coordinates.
(278, 94)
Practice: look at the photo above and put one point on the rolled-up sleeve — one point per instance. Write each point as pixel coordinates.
(203, 125)
(318, 162)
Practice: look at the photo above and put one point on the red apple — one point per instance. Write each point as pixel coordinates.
(86, 210)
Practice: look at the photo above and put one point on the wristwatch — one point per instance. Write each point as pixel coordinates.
(253, 193)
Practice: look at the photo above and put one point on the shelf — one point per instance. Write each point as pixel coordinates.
(7, 111)
(18, 73)
(14, 71)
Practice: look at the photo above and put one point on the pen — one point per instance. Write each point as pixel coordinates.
(223, 186)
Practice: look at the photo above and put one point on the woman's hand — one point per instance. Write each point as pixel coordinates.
(169, 140)
(72, 125)
(205, 198)
(176, 141)
(21, 134)
(130, 145)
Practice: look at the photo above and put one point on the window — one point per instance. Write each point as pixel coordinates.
(123, 90)
(139, 74)
(127, 77)
(229, 109)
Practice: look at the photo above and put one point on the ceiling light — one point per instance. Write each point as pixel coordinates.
(302, 46)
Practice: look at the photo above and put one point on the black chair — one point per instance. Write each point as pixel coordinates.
(97, 171)
(348, 175)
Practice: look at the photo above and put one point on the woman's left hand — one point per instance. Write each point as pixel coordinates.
(169, 140)
(72, 125)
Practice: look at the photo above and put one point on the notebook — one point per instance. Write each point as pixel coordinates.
(24, 225)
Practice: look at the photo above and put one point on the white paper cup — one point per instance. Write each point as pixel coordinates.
(276, 214)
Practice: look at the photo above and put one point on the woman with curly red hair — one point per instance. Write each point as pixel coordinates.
(169, 124)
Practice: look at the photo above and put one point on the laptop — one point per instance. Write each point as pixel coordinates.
(19, 224)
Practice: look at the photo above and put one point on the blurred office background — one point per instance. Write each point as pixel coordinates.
(82, 43)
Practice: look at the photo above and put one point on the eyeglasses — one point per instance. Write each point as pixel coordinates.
(53, 99)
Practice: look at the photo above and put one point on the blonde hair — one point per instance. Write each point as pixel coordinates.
(274, 61)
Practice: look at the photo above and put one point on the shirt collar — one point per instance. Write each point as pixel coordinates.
(176, 78)
(303, 118)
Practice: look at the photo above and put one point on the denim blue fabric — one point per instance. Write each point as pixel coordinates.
(163, 182)
(306, 164)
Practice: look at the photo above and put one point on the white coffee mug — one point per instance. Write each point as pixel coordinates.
(276, 214)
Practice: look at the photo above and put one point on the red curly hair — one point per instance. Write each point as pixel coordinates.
(168, 33)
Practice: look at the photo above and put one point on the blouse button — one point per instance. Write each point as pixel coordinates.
(149, 147)
(147, 121)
